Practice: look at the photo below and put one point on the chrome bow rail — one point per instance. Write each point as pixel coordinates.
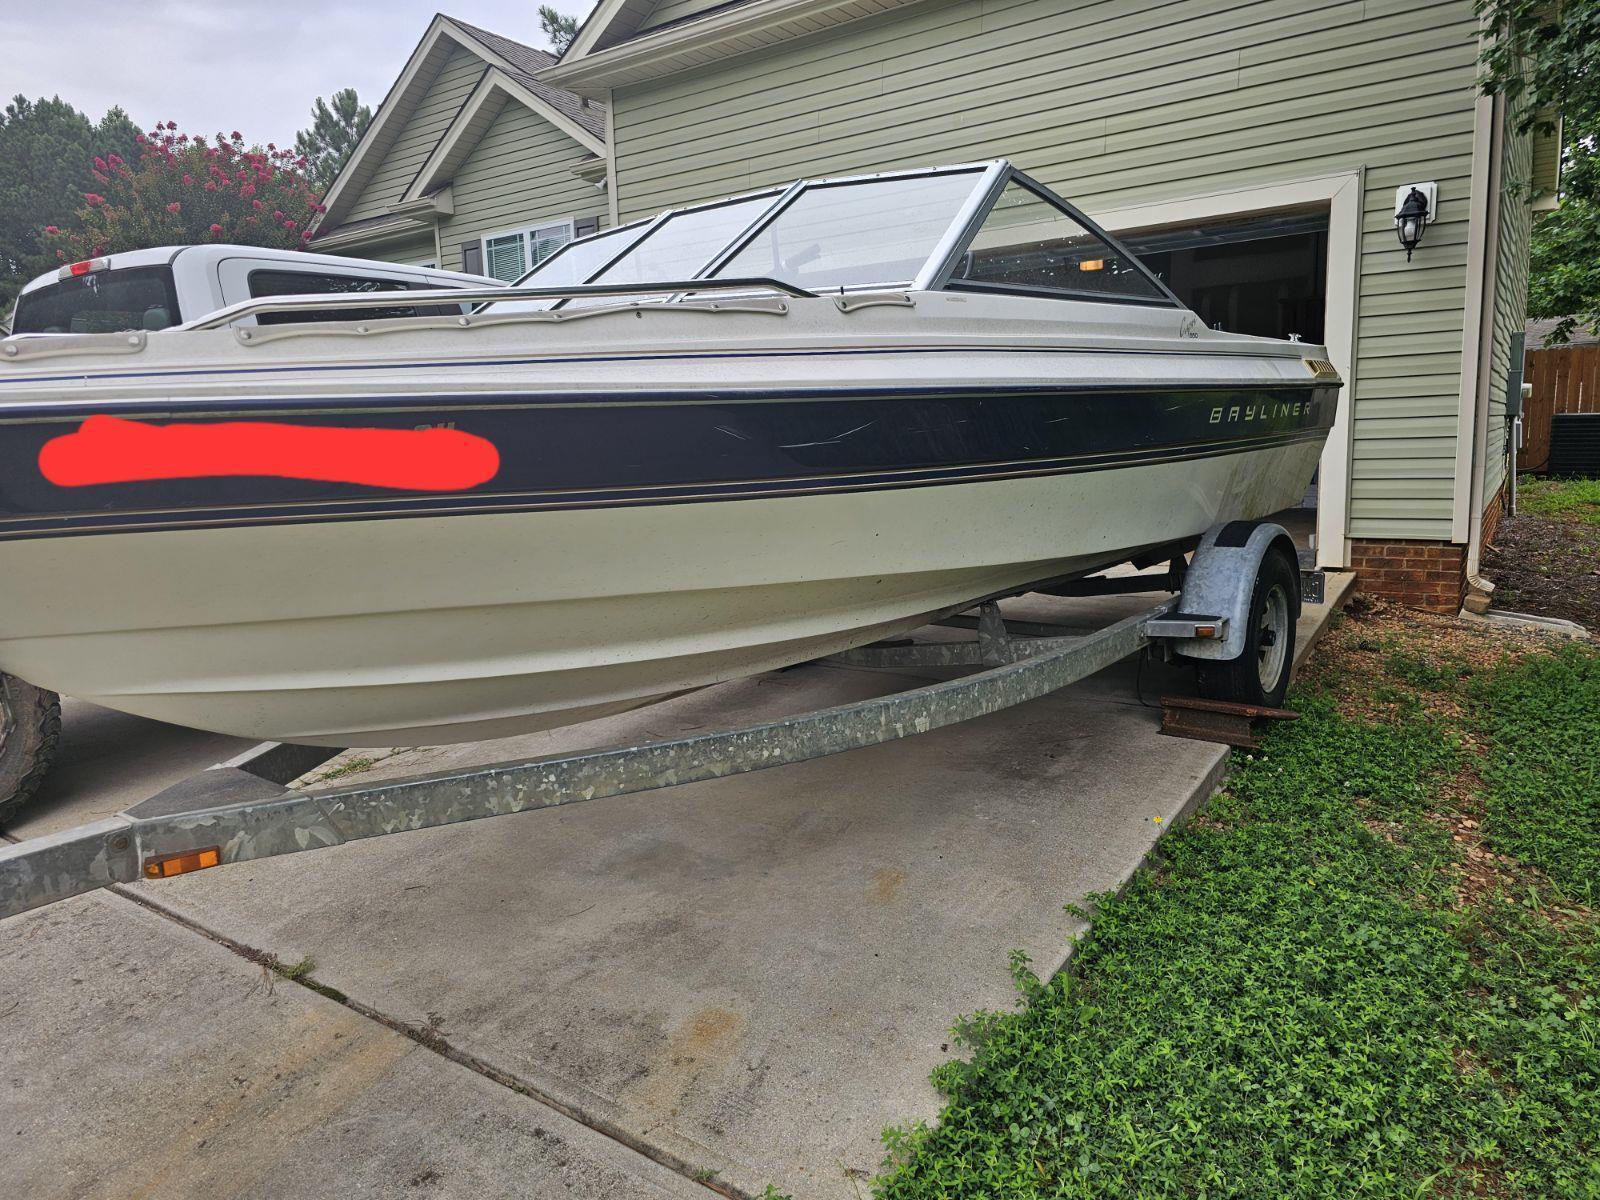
(312, 302)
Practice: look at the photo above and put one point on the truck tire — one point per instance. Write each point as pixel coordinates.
(1260, 675)
(30, 727)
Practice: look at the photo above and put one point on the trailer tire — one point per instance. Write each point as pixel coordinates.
(1260, 675)
(30, 728)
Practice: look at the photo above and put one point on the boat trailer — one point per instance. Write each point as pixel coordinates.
(243, 809)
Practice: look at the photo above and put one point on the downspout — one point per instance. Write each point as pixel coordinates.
(438, 244)
(1486, 317)
(612, 200)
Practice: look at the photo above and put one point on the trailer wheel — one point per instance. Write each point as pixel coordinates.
(30, 726)
(1260, 675)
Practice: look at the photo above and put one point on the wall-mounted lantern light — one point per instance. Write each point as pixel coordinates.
(1416, 206)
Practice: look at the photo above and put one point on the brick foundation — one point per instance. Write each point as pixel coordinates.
(1431, 576)
(1491, 515)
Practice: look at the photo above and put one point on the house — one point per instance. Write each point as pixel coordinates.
(471, 163)
(1538, 335)
(1252, 152)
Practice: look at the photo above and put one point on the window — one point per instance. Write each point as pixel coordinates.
(1028, 243)
(510, 256)
(100, 302)
(297, 283)
(876, 231)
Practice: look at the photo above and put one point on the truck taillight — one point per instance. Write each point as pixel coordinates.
(82, 268)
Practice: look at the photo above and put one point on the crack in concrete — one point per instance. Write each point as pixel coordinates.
(431, 1039)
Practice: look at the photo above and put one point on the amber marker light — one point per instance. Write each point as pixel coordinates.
(1205, 631)
(164, 866)
(1092, 264)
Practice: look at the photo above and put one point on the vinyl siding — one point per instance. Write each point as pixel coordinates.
(1123, 102)
(519, 175)
(1510, 293)
(676, 10)
(434, 112)
(413, 248)
(1546, 164)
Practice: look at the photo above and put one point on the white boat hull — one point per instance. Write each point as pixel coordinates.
(428, 630)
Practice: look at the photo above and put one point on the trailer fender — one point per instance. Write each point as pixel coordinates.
(1221, 579)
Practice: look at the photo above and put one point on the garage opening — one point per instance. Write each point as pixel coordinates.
(1263, 274)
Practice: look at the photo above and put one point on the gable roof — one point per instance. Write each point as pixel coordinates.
(509, 66)
(523, 63)
(475, 117)
(611, 47)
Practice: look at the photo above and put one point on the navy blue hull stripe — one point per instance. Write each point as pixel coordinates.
(436, 506)
(672, 448)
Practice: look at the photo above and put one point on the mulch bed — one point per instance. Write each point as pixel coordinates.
(1548, 566)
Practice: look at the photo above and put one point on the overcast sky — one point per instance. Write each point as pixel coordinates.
(223, 65)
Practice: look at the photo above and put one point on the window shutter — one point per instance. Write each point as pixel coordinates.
(472, 258)
(584, 226)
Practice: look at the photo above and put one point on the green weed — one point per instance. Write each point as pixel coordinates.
(1578, 499)
(1542, 774)
(1295, 1003)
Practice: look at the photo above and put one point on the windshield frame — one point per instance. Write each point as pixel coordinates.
(985, 179)
(990, 180)
(942, 279)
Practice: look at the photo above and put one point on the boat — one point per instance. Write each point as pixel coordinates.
(729, 438)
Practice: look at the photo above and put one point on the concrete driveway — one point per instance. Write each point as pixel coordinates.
(729, 984)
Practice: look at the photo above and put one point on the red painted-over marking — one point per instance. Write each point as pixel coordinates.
(114, 450)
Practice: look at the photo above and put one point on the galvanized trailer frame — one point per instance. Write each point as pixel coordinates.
(243, 809)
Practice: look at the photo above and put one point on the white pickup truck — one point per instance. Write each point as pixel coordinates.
(152, 290)
(168, 285)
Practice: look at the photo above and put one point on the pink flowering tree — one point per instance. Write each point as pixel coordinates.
(185, 190)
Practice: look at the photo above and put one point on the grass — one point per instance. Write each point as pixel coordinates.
(1571, 499)
(1349, 977)
(1543, 769)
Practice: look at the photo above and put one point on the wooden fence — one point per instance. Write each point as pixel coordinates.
(1565, 379)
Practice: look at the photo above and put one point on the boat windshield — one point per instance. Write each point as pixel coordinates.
(983, 225)
(840, 235)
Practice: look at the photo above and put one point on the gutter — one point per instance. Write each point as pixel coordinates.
(715, 35)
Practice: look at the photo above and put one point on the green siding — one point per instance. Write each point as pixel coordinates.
(411, 249)
(519, 174)
(1546, 155)
(434, 112)
(1510, 293)
(1132, 102)
(675, 10)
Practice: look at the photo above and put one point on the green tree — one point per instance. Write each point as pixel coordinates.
(335, 129)
(559, 29)
(187, 190)
(47, 153)
(1544, 58)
